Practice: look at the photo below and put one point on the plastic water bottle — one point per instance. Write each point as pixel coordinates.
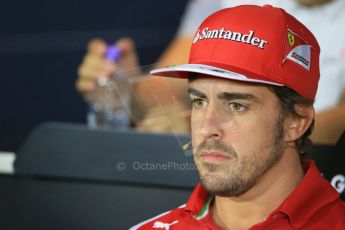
(110, 102)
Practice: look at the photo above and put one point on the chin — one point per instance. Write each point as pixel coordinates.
(225, 187)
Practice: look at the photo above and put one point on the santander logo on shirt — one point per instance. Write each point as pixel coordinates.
(247, 38)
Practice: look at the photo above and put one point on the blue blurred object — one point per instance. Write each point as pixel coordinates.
(113, 53)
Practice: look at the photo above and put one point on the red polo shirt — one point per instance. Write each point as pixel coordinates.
(314, 204)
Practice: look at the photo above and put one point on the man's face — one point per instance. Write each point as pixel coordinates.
(237, 133)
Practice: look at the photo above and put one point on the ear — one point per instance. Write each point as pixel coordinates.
(296, 126)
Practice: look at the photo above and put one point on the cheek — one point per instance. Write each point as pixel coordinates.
(196, 123)
(196, 119)
(251, 136)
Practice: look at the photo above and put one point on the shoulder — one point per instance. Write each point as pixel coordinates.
(337, 209)
(162, 220)
(331, 216)
(196, 11)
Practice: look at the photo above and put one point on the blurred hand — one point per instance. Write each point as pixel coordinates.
(95, 66)
(149, 114)
(170, 118)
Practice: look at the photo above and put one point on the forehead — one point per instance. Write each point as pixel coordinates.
(210, 85)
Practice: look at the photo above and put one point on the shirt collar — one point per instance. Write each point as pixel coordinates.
(199, 202)
(311, 194)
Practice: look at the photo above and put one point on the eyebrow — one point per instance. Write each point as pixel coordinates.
(232, 96)
(224, 95)
(196, 93)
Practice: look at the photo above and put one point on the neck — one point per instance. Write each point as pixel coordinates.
(268, 194)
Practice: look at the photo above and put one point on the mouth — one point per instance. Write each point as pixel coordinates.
(214, 157)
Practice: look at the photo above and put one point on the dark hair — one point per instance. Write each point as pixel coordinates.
(288, 98)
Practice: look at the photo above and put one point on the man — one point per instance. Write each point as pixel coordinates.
(253, 74)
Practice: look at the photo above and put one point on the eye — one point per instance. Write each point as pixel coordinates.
(237, 107)
(198, 103)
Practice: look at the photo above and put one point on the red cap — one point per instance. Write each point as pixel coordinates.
(261, 44)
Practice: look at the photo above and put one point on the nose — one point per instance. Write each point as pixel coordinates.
(211, 125)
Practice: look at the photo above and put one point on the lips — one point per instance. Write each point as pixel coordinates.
(214, 157)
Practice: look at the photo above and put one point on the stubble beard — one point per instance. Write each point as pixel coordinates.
(241, 174)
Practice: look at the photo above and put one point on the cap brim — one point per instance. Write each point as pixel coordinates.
(181, 71)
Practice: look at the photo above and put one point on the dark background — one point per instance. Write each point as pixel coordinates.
(42, 44)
